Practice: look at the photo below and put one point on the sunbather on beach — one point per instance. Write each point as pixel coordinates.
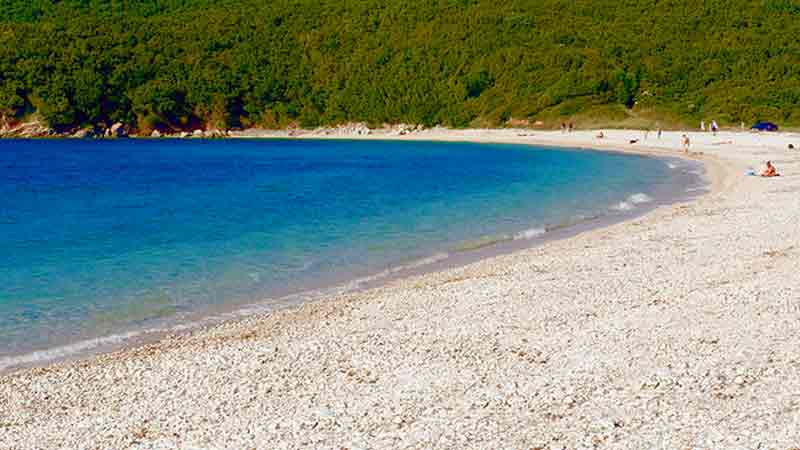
(770, 171)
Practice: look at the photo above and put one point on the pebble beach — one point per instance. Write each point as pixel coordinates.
(677, 329)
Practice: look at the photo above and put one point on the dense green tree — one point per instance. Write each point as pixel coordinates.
(180, 64)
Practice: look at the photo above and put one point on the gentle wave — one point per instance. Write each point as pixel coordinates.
(63, 352)
(481, 242)
(623, 206)
(640, 198)
(631, 202)
(530, 234)
(488, 241)
(360, 282)
(85, 346)
(258, 234)
(66, 350)
(265, 306)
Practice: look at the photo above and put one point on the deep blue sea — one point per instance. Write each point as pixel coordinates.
(101, 240)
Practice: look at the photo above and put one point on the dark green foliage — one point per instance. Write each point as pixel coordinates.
(172, 64)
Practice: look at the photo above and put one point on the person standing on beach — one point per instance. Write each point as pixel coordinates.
(685, 143)
(659, 132)
(714, 127)
(702, 125)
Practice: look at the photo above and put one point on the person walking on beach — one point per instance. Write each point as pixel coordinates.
(702, 125)
(685, 143)
(714, 127)
(659, 132)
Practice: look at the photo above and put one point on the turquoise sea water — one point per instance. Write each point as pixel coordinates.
(100, 240)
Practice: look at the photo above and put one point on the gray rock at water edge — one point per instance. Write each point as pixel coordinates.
(155, 134)
(403, 129)
(84, 133)
(117, 130)
(215, 133)
(197, 133)
(26, 130)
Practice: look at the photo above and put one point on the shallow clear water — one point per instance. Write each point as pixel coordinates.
(101, 238)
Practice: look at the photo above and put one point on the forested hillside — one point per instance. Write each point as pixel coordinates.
(174, 64)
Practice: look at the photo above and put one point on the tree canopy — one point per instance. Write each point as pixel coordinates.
(178, 64)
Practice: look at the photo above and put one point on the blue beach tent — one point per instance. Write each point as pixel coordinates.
(764, 126)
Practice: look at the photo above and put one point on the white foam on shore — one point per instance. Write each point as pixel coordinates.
(529, 234)
(66, 350)
(359, 282)
(623, 206)
(640, 198)
(262, 307)
(270, 305)
(672, 165)
(104, 342)
(631, 202)
(418, 263)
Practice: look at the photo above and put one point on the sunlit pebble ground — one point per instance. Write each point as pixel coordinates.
(677, 330)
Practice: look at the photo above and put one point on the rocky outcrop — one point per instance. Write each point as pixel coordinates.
(84, 133)
(358, 129)
(155, 134)
(117, 131)
(215, 134)
(403, 129)
(31, 129)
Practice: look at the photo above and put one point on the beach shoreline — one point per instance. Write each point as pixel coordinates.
(617, 140)
(435, 262)
(502, 352)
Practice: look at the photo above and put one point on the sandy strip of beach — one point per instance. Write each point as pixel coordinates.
(677, 330)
